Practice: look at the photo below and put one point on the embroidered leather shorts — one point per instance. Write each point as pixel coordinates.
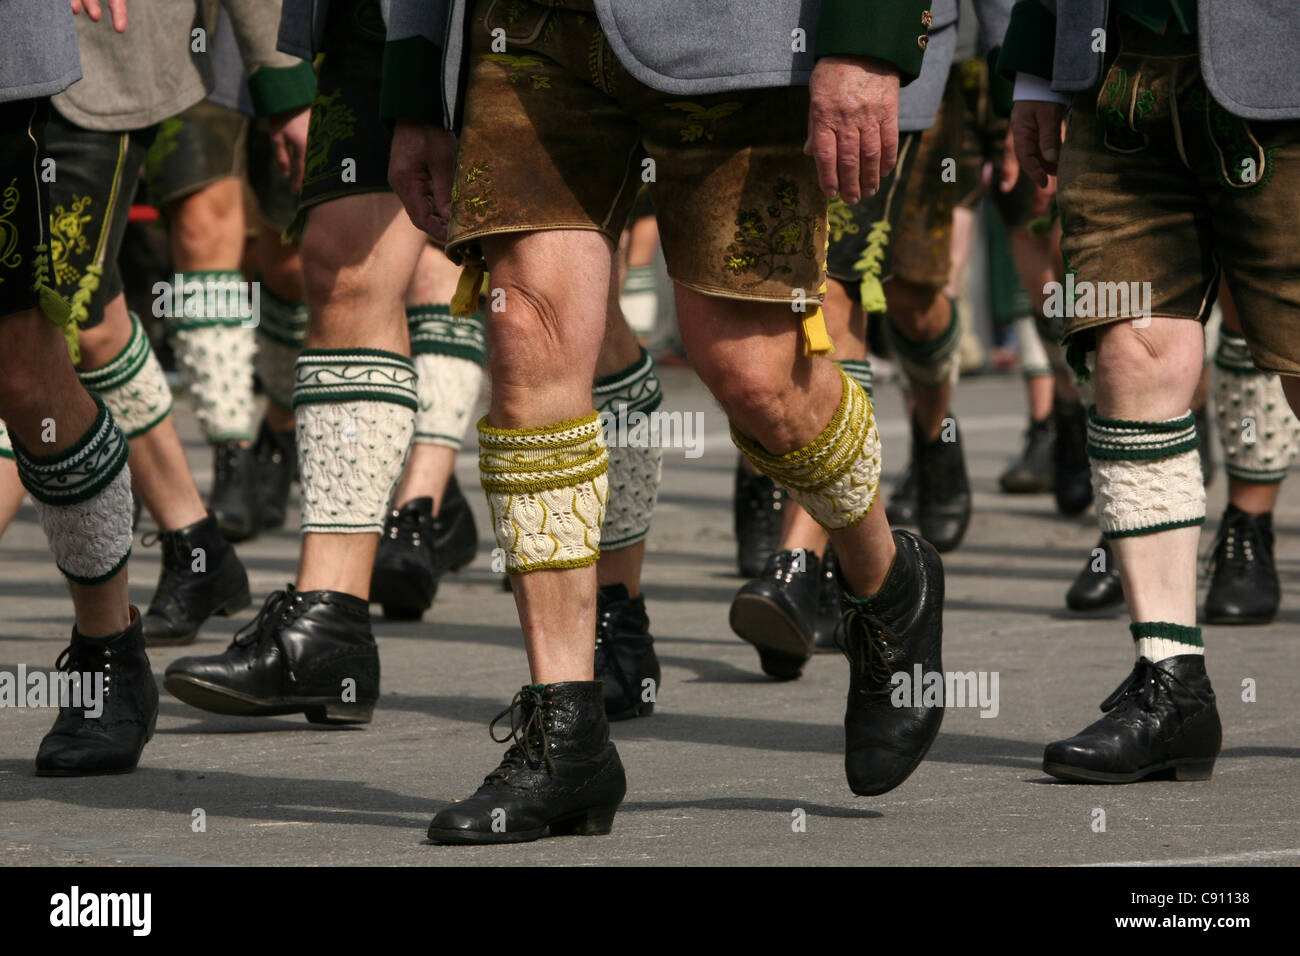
(1161, 185)
(557, 135)
(24, 204)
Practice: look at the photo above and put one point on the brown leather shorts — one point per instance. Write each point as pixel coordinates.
(557, 135)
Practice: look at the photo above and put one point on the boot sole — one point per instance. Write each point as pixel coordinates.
(222, 700)
(153, 725)
(1229, 620)
(232, 605)
(1184, 769)
(764, 624)
(597, 822)
(236, 533)
(1029, 487)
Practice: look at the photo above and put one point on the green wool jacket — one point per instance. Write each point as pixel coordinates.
(681, 47)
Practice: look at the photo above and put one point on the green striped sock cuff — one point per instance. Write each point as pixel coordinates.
(350, 375)
(78, 473)
(636, 387)
(1114, 439)
(860, 371)
(926, 353)
(1233, 355)
(124, 367)
(214, 297)
(282, 321)
(1179, 633)
(435, 331)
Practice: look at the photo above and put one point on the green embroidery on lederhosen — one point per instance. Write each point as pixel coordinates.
(331, 120)
(164, 145)
(701, 122)
(517, 67)
(68, 238)
(1233, 140)
(839, 220)
(759, 242)
(1117, 133)
(10, 255)
(479, 183)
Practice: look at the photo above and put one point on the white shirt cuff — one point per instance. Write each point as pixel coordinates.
(1030, 87)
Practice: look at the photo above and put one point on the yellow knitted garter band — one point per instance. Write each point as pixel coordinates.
(836, 476)
(547, 490)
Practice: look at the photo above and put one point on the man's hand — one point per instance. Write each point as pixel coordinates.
(1037, 128)
(852, 124)
(289, 142)
(420, 169)
(116, 8)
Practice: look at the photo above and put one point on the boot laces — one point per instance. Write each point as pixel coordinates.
(783, 565)
(874, 655)
(1142, 690)
(87, 657)
(529, 735)
(277, 611)
(175, 559)
(1237, 546)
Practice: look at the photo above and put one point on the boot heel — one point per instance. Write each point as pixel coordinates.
(341, 713)
(594, 822)
(235, 604)
(1194, 769)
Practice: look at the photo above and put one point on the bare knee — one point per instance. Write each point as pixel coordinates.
(916, 310)
(207, 227)
(1148, 372)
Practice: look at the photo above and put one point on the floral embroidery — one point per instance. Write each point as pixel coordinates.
(760, 243)
(702, 122)
(68, 238)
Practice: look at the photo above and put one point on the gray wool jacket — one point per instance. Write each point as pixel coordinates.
(1250, 50)
(38, 49)
(682, 47)
(918, 102)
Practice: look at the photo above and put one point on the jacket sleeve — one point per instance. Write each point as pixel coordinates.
(890, 30)
(276, 81)
(1030, 43)
(412, 83)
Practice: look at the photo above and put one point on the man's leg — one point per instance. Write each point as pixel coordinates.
(355, 405)
(215, 343)
(626, 383)
(280, 337)
(796, 599)
(1260, 435)
(11, 487)
(430, 529)
(1151, 504)
(86, 513)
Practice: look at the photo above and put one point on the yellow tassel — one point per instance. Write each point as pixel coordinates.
(816, 337)
(465, 301)
(872, 294)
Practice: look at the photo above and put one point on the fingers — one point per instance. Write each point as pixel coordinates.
(888, 144)
(1010, 172)
(822, 148)
(1024, 128)
(1049, 144)
(118, 9)
(867, 159)
(89, 7)
(283, 160)
(417, 199)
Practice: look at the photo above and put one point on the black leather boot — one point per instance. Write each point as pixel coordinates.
(201, 576)
(1031, 473)
(625, 654)
(308, 652)
(1162, 719)
(898, 629)
(417, 548)
(827, 618)
(80, 744)
(561, 775)
(942, 489)
(1098, 590)
(775, 612)
(1243, 577)
(901, 508)
(235, 499)
(276, 459)
(759, 509)
(1072, 475)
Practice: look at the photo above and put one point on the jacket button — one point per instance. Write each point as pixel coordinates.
(922, 40)
(927, 19)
